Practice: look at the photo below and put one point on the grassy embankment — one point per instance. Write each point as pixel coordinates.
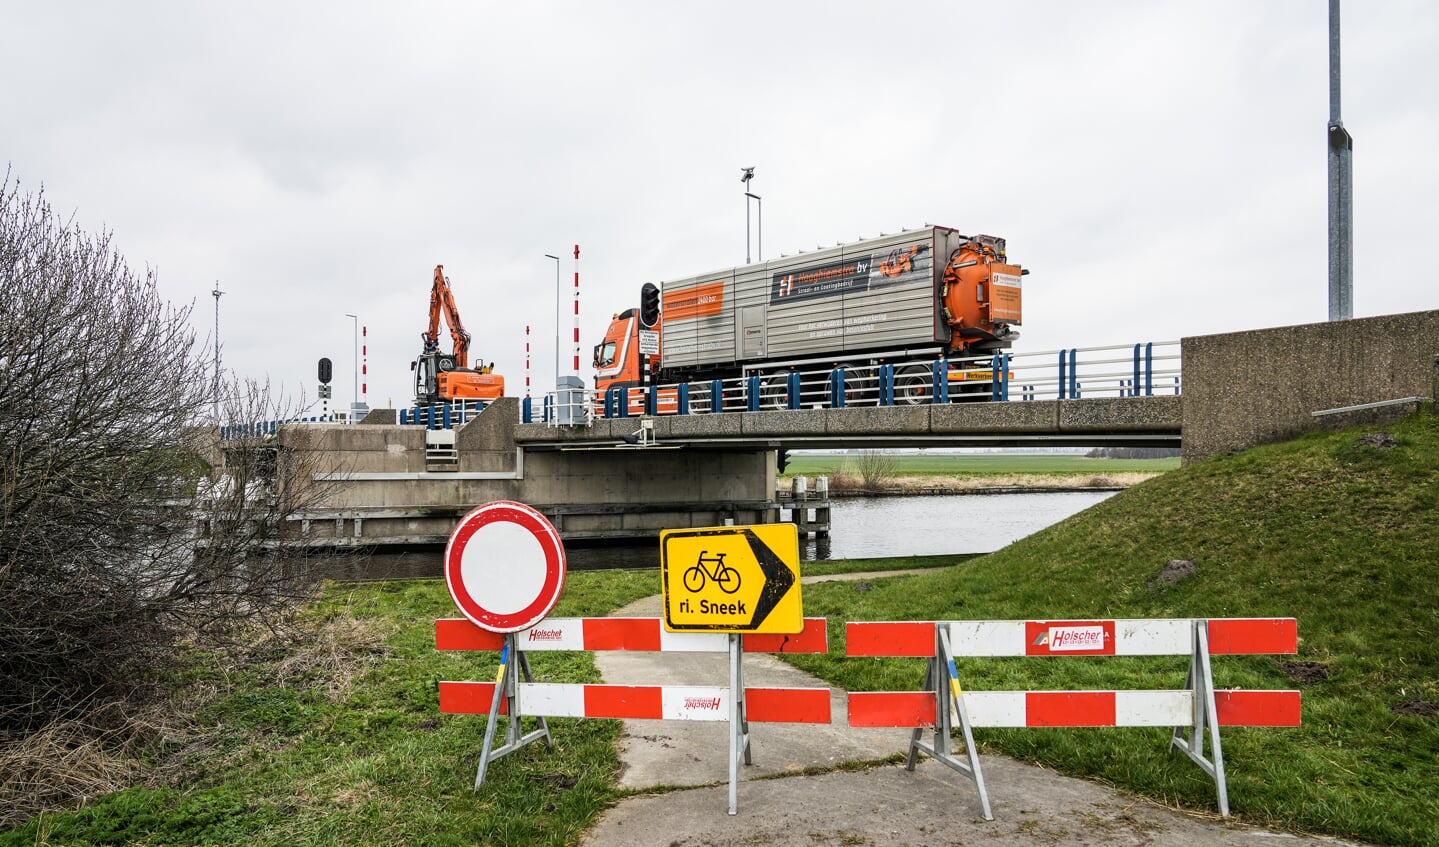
(1334, 530)
(914, 472)
(341, 742)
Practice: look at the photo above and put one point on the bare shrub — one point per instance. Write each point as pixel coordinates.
(875, 467)
(107, 474)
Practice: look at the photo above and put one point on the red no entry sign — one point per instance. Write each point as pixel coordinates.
(505, 566)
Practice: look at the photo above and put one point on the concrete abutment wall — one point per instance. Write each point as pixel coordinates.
(1242, 389)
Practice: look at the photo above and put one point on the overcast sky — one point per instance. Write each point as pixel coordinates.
(1160, 167)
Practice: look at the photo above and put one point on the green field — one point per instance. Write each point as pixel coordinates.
(978, 464)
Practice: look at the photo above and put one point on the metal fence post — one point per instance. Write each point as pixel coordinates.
(752, 398)
(716, 396)
(682, 393)
(792, 390)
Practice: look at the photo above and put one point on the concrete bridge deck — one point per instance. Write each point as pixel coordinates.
(1113, 421)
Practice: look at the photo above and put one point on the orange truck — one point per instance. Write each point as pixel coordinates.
(904, 300)
(447, 377)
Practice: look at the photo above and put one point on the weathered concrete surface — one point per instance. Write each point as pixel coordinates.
(1247, 388)
(883, 806)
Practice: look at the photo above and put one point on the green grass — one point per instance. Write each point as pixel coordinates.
(981, 464)
(1326, 529)
(1340, 535)
(288, 762)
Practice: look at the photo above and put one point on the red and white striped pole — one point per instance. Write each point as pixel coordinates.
(527, 360)
(577, 310)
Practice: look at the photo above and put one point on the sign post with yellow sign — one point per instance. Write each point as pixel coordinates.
(732, 579)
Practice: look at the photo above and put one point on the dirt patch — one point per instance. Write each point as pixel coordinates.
(1379, 441)
(1305, 673)
(1173, 571)
(1417, 708)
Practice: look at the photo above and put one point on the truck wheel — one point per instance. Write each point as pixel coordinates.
(861, 386)
(913, 385)
(774, 391)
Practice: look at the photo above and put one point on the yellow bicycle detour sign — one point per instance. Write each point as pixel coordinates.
(732, 579)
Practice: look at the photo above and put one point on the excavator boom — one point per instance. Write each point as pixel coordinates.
(445, 377)
(443, 301)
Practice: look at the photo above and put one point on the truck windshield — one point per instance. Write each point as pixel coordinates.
(604, 354)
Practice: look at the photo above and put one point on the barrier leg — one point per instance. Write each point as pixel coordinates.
(942, 667)
(1200, 682)
(506, 687)
(738, 726)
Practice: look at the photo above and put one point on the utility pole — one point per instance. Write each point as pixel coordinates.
(216, 397)
(1341, 190)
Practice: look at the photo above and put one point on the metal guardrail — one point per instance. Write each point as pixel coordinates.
(1135, 370)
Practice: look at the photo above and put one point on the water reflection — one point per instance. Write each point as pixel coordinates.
(924, 525)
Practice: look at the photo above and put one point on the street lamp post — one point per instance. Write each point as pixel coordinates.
(355, 399)
(747, 174)
(559, 301)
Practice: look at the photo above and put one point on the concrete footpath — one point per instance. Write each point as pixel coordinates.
(883, 805)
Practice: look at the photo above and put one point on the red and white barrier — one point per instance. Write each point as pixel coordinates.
(994, 709)
(515, 694)
(1160, 637)
(1197, 708)
(642, 634)
(642, 702)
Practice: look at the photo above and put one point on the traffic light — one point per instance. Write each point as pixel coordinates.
(325, 371)
(781, 459)
(649, 305)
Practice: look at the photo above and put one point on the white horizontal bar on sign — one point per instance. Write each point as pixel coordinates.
(695, 702)
(1153, 708)
(693, 642)
(986, 638)
(1174, 637)
(555, 700)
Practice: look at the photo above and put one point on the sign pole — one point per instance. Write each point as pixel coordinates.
(738, 723)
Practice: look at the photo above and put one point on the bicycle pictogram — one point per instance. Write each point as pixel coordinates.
(725, 576)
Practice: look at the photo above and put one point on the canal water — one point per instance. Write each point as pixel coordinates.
(860, 528)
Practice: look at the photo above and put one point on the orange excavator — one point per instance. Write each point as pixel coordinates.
(447, 377)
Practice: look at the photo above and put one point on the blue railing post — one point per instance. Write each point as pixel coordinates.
(651, 399)
(939, 368)
(999, 377)
(527, 410)
(1148, 369)
(886, 385)
(445, 416)
(836, 388)
(716, 396)
(791, 386)
(752, 398)
(1063, 375)
(622, 401)
(682, 395)
(1073, 373)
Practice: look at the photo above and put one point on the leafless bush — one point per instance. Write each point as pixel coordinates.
(876, 468)
(104, 471)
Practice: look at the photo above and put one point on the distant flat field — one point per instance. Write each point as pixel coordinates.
(981, 465)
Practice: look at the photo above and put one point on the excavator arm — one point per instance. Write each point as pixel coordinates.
(443, 301)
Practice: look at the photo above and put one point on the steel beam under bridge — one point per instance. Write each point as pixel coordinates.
(1097, 422)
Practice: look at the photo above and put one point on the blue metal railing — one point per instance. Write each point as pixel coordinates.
(1070, 374)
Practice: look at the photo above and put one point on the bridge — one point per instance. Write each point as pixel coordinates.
(627, 476)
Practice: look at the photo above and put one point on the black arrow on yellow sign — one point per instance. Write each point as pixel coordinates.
(778, 578)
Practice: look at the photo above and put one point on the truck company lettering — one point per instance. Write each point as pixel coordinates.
(546, 635)
(820, 280)
(710, 704)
